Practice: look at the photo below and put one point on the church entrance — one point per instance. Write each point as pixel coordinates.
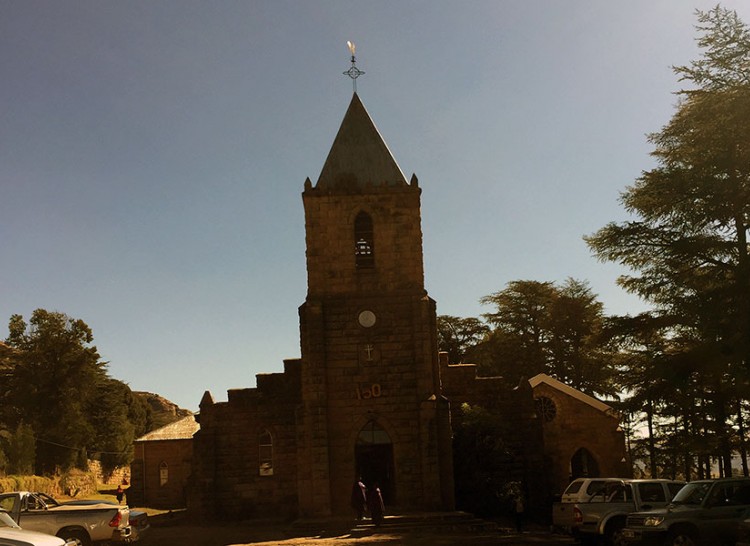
(373, 454)
(583, 465)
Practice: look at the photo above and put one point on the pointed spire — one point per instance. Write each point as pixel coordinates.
(207, 400)
(359, 156)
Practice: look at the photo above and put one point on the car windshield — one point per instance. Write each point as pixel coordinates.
(7, 521)
(692, 493)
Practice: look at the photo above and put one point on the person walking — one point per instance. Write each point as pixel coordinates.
(359, 498)
(375, 504)
(119, 494)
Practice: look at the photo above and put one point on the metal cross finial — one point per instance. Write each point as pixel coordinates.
(353, 72)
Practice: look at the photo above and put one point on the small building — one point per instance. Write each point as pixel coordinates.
(582, 435)
(162, 464)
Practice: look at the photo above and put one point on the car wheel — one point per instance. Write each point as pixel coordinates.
(682, 538)
(79, 537)
(617, 538)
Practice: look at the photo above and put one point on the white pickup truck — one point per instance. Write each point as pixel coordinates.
(579, 490)
(603, 515)
(81, 524)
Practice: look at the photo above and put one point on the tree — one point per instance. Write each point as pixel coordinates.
(60, 390)
(481, 459)
(687, 248)
(457, 336)
(539, 327)
(55, 376)
(21, 450)
(110, 419)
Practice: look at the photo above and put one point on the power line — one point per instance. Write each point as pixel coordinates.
(79, 448)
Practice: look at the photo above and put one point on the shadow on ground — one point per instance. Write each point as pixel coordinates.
(176, 529)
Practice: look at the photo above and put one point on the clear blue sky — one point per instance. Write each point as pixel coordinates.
(153, 153)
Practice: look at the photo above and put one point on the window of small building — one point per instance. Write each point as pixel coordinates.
(265, 454)
(163, 473)
(364, 243)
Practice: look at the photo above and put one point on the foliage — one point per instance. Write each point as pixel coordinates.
(29, 483)
(21, 450)
(480, 460)
(457, 336)
(59, 388)
(72, 483)
(540, 327)
(687, 362)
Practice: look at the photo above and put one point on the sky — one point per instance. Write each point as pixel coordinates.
(153, 155)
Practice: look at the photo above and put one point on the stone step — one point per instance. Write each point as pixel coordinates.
(404, 523)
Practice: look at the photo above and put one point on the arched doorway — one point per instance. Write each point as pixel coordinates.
(583, 465)
(373, 454)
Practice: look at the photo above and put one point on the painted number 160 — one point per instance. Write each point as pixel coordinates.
(373, 391)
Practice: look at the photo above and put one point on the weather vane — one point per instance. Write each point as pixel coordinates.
(353, 71)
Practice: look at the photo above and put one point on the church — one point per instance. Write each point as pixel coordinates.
(365, 397)
(369, 396)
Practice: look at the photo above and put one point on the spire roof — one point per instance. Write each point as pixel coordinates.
(359, 156)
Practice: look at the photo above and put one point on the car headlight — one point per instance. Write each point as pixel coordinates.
(653, 521)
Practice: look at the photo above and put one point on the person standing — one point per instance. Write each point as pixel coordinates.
(119, 494)
(519, 509)
(359, 498)
(375, 504)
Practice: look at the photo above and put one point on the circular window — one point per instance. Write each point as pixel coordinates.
(545, 408)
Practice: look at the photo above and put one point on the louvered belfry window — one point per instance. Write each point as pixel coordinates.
(364, 244)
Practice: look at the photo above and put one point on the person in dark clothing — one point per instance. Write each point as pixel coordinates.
(519, 508)
(375, 504)
(359, 498)
(119, 494)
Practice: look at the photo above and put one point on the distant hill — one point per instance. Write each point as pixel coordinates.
(163, 411)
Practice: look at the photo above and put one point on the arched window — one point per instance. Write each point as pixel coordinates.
(364, 244)
(265, 454)
(373, 434)
(583, 465)
(163, 473)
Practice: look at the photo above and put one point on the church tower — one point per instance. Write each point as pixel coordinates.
(370, 386)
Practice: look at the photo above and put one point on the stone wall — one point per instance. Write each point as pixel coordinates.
(159, 474)
(385, 372)
(229, 483)
(577, 425)
(119, 475)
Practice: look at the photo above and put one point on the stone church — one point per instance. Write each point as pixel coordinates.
(365, 397)
(369, 397)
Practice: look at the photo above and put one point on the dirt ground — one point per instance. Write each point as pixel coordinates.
(180, 532)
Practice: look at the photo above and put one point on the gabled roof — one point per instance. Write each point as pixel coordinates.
(184, 429)
(359, 155)
(570, 391)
